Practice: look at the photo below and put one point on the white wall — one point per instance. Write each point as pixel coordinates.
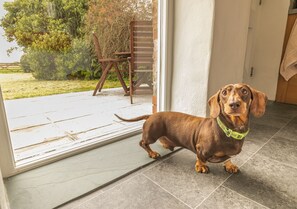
(266, 35)
(229, 43)
(233, 48)
(3, 197)
(193, 23)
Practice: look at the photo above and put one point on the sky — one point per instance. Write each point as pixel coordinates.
(4, 45)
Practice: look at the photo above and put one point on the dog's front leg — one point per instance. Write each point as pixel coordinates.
(201, 166)
(230, 167)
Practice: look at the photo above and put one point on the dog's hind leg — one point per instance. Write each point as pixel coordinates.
(144, 143)
(166, 143)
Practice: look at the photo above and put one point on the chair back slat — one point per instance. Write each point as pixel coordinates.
(98, 50)
(142, 46)
(141, 62)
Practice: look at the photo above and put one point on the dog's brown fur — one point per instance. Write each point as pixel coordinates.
(232, 104)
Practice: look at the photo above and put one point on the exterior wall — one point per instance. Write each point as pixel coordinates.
(192, 41)
(229, 43)
(268, 23)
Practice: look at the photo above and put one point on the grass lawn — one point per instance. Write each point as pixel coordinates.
(23, 85)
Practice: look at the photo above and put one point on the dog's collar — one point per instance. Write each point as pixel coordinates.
(230, 133)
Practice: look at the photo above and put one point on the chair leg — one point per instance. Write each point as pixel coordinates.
(102, 79)
(120, 77)
(104, 76)
(97, 86)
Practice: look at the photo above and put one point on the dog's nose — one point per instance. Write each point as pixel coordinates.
(234, 105)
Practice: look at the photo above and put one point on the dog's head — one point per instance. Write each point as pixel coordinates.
(237, 100)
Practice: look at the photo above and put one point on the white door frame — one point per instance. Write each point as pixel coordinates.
(165, 40)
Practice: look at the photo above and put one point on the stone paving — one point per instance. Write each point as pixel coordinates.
(42, 125)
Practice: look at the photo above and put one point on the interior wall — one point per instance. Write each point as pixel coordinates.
(229, 43)
(3, 196)
(192, 41)
(265, 41)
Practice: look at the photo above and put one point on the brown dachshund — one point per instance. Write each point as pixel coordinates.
(213, 139)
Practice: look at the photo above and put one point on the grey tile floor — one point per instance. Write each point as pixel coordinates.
(267, 178)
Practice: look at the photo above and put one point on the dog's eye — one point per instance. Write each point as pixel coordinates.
(224, 92)
(244, 91)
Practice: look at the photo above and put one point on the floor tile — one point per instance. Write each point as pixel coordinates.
(281, 149)
(289, 131)
(267, 182)
(276, 115)
(281, 109)
(259, 134)
(52, 185)
(224, 198)
(178, 176)
(138, 192)
(277, 121)
(116, 182)
(76, 203)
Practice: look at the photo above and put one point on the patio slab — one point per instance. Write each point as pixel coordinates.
(45, 124)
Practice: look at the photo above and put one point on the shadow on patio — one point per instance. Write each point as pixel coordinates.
(41, 126)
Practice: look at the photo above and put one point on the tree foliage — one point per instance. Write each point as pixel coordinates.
(110, 19)
(55, 34)
(44, 24)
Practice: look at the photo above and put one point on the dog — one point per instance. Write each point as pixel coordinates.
(214, 139)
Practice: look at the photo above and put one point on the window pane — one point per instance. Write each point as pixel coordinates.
(71, 67)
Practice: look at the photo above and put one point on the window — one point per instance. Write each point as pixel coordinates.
(44, 128)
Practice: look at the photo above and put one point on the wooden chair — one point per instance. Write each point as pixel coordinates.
(141, 60)
(106, 65)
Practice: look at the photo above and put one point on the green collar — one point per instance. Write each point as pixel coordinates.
(231, 133)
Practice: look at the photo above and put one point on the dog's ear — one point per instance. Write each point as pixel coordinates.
(214, 105)
(258, 105)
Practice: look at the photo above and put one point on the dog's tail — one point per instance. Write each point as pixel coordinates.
(143, 117)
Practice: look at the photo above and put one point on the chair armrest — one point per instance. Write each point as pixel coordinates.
(112, 60)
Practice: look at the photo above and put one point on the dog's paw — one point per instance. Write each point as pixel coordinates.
(202, 168)
(154, 155)
(231, 168)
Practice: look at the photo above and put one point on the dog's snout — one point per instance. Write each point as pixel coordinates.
(234, 105)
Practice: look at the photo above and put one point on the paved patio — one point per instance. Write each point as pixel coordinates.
(43, 125)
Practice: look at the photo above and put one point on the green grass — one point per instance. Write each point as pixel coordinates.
(10, 70)
(24, 85)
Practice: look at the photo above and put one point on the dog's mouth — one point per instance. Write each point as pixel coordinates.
(237, 112)
(234, 114)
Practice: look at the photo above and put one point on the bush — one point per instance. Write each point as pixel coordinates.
(77, 62)
(24, 64)
(42, 64)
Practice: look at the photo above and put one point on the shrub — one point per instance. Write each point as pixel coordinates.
(24, 64)
(77, 62)
(42, 64)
